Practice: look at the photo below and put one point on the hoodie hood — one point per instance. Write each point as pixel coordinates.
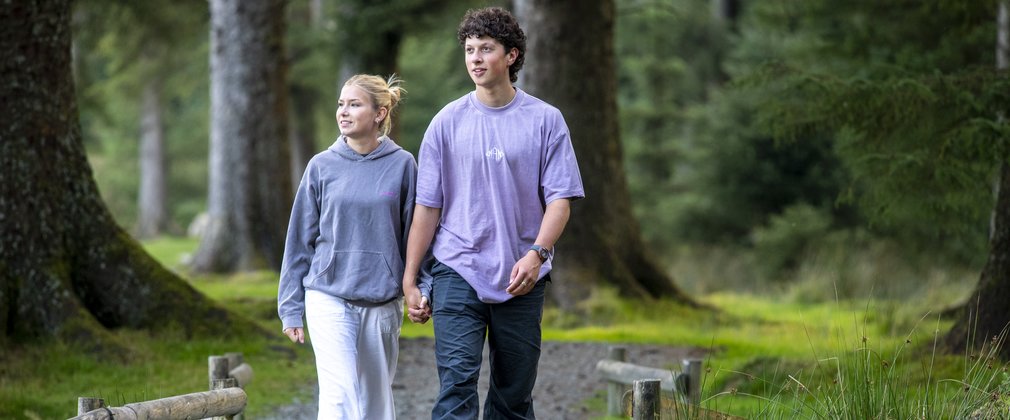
(386, 148)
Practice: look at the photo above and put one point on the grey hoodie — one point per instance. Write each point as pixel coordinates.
(348, 231)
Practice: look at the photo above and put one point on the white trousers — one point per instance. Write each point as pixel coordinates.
(356, 349)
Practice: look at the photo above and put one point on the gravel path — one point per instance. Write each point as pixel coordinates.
(566, 379)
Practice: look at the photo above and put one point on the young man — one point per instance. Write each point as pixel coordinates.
(496, 176)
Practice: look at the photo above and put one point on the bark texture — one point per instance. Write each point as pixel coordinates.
(250, 191)
(67, 271)
(570, 64)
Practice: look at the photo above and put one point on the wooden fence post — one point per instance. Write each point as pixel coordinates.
(693, 370)
(645, 400)
(217, 368)
(223, 384)
(86, 404)
(234, 359)
(615, 390)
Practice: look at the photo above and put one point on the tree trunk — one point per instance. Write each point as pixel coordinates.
(726, 10)
(152, 218)
(250, 191)
(66, 269)
(985, 315)
(570, 64)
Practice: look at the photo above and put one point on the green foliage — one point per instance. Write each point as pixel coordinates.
(434, 74)
(781, 244)
(700, 167)
(914, 112)
(121, 47)
(667, 61)
(860, 109)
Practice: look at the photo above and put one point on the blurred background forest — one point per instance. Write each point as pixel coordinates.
(737, 186)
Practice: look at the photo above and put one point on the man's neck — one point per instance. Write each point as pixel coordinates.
(496, 97)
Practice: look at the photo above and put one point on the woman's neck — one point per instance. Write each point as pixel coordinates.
(365, 144)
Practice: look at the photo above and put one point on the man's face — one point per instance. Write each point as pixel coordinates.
(487, 61)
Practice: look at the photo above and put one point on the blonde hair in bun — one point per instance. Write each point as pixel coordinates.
(383, 93)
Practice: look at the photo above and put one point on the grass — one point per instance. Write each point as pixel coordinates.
(44, 381)
(769, 357)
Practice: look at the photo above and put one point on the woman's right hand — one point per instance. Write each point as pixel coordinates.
(296, 334)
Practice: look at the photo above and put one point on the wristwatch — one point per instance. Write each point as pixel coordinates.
(542, 252)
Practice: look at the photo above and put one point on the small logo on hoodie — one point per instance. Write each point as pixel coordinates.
(388, 193)
(495, 153)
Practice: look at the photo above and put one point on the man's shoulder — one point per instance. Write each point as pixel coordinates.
(530, 101)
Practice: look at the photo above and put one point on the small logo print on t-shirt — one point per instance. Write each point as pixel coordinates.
(388, 193)
(495, 153)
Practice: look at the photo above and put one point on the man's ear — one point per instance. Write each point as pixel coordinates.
(512, 55)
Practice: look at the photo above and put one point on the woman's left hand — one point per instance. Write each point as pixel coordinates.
(296, 334)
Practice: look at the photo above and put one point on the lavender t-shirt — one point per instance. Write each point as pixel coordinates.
(492, 171)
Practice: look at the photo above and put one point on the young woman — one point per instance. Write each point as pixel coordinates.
(343, 259)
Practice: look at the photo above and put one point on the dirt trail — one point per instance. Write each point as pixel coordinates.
(567, 378)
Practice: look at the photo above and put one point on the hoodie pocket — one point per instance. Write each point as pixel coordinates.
(354, 266)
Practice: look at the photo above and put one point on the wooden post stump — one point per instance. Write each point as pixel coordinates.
(217, 368)
(615, 391)
(86, 404)
(645, 400)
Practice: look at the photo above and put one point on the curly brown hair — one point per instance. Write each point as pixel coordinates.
(499, 24)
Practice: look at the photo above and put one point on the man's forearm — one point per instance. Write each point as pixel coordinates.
(555, 219)
(422, 230)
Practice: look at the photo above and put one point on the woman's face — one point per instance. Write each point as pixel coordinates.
(356, 115)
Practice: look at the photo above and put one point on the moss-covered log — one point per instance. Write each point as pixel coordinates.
(67, 270)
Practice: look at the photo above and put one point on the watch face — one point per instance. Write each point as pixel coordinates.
(544, 255)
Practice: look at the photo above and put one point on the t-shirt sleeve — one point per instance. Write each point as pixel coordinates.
(429, 170)
(560, 177)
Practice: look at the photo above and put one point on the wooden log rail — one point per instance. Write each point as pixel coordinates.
(620, 375)
(227, 375)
